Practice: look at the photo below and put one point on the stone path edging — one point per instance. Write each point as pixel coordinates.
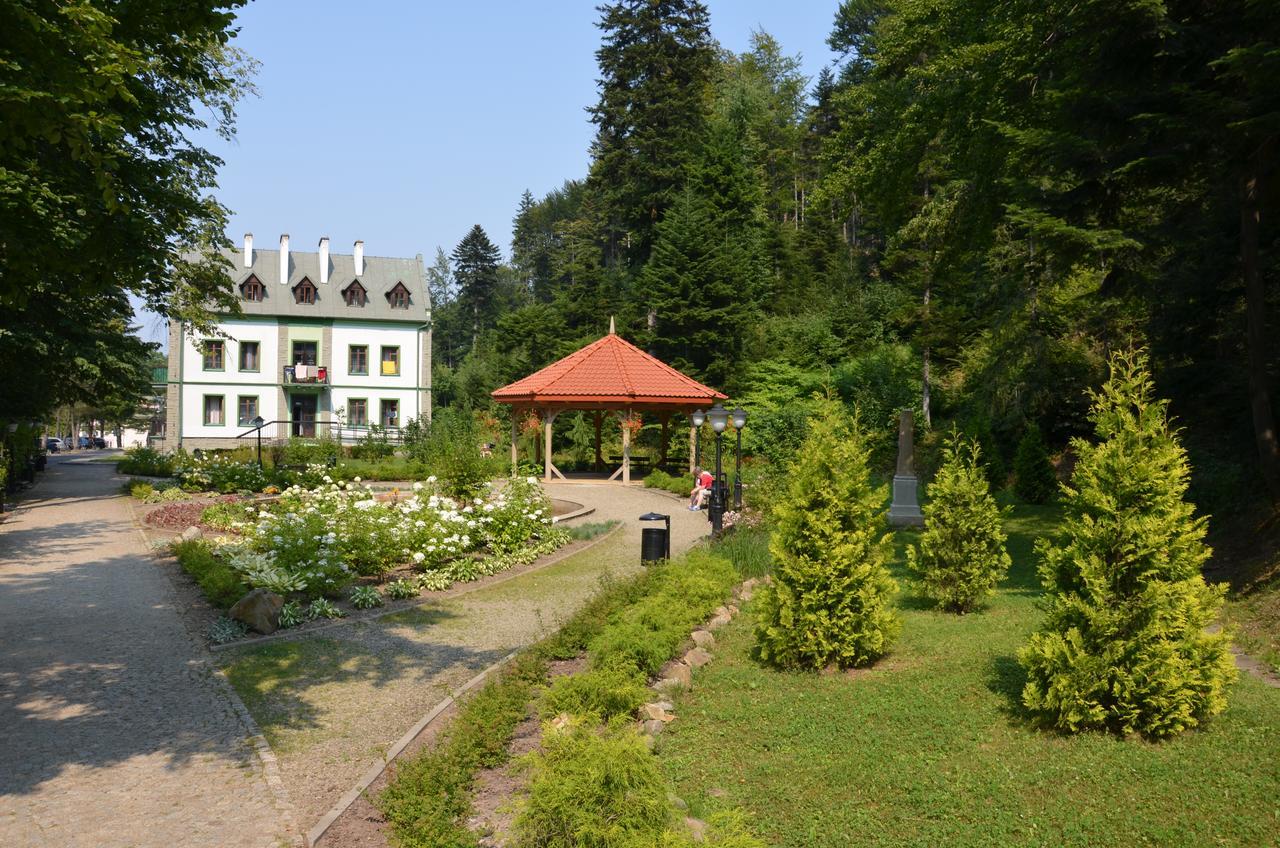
(448, 594)
(375, 771)
(577, 513)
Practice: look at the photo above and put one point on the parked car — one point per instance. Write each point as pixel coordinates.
(99, 442)
(53, 444)
(84, 443)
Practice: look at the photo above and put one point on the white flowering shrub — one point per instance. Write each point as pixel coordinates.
(217, 473)
(515, 514)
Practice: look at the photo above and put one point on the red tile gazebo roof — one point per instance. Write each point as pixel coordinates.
(609, 373)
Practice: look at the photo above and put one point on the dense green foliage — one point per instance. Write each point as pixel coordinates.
(830, 599)
(961, 556)
(105, 186)
(1124, 644)
(221, 584)
(1034, 479)
(145, 462)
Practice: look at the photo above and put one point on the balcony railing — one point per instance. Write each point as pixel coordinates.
(306, 375)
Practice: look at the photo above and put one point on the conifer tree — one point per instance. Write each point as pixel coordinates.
(1034, 481)
(962, 553)
(1124, 644)
(475, 263)
(829, 602)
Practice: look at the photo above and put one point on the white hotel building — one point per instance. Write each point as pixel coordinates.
(327, 344)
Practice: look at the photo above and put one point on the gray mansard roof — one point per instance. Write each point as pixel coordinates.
(381, 273)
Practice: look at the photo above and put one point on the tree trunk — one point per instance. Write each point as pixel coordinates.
(1264, 424)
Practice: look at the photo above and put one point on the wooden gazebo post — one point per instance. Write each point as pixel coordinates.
(515, 451)
(626, 445)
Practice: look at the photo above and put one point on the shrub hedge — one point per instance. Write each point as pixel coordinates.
(220, 583)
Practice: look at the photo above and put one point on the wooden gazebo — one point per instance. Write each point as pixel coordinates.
(610, 375)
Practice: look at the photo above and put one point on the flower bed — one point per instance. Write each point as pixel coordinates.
(312, 544)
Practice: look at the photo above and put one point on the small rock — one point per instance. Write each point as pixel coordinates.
(724, 611)
(746, 595)
(697, 827)
(733, 609)
(677, 802)
(667, 705)
(718, 621)
(653, 727)
(654, 712)
(697, 658)
(561, 721)
(192, 534)
(259, 609)
(750, 583)
(703, 639)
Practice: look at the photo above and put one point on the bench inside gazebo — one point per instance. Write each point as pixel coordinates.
(610, 376)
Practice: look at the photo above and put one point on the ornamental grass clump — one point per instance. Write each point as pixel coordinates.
(1124, 645)
(962, 553)
(830, 600)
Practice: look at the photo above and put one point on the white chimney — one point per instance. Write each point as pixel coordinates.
(248, 250)
(284, 258)
(324, 259)
(359, 257)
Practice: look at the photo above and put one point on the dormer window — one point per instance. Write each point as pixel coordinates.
(355, 294)
(304, 292)
(251, 289)
(398, 297)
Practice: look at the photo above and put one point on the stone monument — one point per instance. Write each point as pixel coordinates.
(905, 509)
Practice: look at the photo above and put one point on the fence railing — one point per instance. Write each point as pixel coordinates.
(284, 429)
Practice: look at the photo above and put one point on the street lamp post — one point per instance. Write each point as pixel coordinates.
(258, 421)
(719, 418)
(699, 417)
(739, 421)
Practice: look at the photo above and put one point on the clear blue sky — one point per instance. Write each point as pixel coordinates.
(405, 123)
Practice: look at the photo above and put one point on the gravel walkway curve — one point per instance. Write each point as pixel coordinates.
(332, 704)
(114, 731)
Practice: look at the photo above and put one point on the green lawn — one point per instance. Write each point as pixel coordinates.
(931, 747)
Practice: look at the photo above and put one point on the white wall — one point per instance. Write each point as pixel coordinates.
(264, 333)
(408, 402)
(375, 337)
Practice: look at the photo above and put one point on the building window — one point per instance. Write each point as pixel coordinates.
(398, 297)
(251, 289)
(304, 292)
(213, 416)
(248, 410)
(212, 351)
(304, 353)
(358, 412)
(355, 294)
(249, 356)
(390, 413)
(358, 359)
(390, 361)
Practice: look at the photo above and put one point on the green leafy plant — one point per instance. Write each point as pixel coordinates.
(145, 462)
(1124, 644)
(598, 693)
(961, 556)
(399, 590)
(1034, 479)
(221, 584)
(592, 788)
(292, 614)
(830, 600)
(323, 608)
(226, 630)
(590, 530)
(365, 597)
(435, 581)
(227, 515)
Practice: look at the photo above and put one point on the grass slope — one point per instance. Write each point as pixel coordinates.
(930, 747)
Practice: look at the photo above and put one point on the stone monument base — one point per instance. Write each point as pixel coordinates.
(905, 510)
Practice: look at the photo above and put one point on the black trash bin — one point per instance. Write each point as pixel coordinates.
(655, 542)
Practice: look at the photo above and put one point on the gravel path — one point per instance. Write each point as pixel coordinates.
(115, 731)
(332, 704)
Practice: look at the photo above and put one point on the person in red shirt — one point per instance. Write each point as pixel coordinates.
(702, 481)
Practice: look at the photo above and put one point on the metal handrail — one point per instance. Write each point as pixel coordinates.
(394, 434)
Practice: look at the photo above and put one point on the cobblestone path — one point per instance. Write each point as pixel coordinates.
(113, 730)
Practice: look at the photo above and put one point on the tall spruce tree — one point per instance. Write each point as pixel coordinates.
(830, 600)
(475, 264)
(656, 60)
(1124, 644)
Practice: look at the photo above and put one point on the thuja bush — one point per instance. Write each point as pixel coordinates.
(1124, 644)
(961, 556)
(830, 598)
(1034, 480)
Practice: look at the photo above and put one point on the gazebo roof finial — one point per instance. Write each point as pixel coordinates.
(612, 331)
